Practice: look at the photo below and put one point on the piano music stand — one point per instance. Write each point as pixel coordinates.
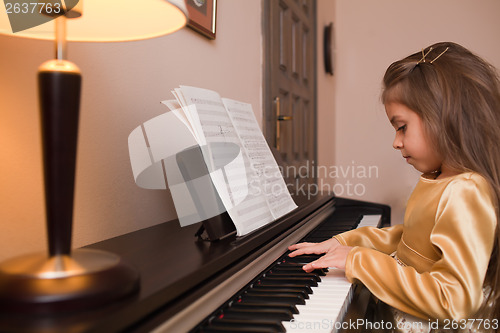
(192, 165)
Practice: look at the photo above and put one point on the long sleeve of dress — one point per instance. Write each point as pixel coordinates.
(384, 240)
(462, 237)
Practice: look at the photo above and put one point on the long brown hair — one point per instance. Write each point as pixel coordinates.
(457, 96)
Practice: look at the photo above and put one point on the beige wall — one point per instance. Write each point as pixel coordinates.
(123, 86)
(326, 88)
(370, 35)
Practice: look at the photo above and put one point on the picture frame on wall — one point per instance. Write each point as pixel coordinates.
(202, 16)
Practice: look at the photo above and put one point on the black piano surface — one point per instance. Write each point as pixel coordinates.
(176, 268)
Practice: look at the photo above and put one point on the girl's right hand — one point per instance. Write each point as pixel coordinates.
(335, 254)
(313, 248)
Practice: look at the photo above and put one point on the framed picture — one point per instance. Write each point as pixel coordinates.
(202, 16)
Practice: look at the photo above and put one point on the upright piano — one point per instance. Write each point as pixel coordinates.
(235, 284)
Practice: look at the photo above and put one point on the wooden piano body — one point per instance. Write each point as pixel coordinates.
(184, 280)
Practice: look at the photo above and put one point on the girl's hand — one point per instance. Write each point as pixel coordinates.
(335, 254)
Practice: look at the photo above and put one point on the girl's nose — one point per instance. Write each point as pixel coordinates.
(397, 143)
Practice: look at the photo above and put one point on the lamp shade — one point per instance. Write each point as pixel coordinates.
(101, 21)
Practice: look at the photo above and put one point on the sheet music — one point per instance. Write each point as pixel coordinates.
(238, 159)
(264, 166)
(190, 113)
(176, 109)
(250, 211)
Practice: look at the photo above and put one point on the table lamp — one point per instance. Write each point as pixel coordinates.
(66, 279)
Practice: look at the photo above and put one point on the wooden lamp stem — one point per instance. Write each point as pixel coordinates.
(59, 93)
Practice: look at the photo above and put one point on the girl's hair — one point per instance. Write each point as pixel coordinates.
(457, 96)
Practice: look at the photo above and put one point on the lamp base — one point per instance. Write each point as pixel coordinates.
(87, 278)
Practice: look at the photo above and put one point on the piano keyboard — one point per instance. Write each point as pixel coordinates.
(328, 302)
(286, 299)
(325, 305)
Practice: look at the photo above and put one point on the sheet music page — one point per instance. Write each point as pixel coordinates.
(267, 176)
(191, 115)
(177, 110)
(244, 202)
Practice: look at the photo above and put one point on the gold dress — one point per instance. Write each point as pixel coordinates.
(442, 250)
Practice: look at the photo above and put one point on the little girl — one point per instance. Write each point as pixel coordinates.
(442, 263)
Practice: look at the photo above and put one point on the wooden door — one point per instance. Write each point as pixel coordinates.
(290, 86)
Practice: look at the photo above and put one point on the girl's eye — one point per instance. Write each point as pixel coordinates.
(401, 129)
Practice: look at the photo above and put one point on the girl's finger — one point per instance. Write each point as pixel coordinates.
(317, 264)
(300, 245)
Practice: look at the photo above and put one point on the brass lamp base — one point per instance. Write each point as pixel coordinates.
(87, 278)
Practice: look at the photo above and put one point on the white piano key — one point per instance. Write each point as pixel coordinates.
(370, 221)
(313, 316)
(322, 294)
(316, 306)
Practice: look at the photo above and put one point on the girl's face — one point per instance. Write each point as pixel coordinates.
(411, 139)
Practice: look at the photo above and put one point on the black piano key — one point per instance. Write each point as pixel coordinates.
(283, 275)
(264, 300)
(287, 261)
(317, 239)
(304, 291)
(273, 284)
(275, 293)
(348, 220)
(346, 225)
(277, 289)
(249, 324)
(261, 305)
(297, 268)
(241, 313)
(306, 281)
(345, 215)
(304, 259)
(326, 235)
(257, 297)
(328, 230)
(321, 238)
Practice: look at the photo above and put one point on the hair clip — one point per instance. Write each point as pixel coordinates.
(440, 54)
(424, 55)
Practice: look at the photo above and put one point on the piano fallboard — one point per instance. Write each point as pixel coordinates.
(177, 270)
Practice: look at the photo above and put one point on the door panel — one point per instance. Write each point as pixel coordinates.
(290, 85)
